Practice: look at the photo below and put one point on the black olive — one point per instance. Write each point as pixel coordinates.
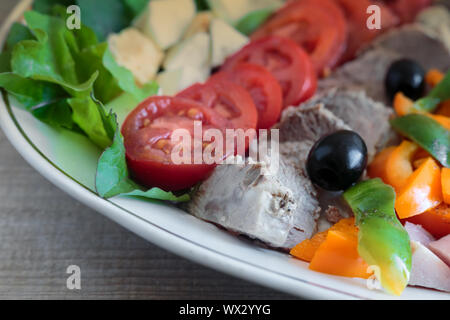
(405, 76)
(337, 161)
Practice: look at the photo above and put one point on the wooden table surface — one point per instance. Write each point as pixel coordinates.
(43, 231)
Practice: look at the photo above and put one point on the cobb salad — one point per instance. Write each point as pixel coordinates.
(354, 96)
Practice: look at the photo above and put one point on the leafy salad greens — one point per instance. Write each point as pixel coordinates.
(64, 77)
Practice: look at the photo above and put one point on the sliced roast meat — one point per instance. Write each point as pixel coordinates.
(436, 21)
(368, 118)
(279, 209)
(428, 270)
(413, 42)
(300, 128)
(369, 70)
(366, 73)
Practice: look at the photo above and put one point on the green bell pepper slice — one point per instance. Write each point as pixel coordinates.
(439, 94)
(382, 240)
(427, 133)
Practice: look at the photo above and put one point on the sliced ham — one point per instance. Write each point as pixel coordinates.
(418, 234)
(441, 248)
(428, 270)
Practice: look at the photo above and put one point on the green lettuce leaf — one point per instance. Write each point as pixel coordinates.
(126, 80)
(105, 16)
(46, 6)
(57, 113)
(136, 6)
(31, 93)
(52, 67)
(17, 33)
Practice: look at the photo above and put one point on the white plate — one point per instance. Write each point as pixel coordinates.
(68, 160)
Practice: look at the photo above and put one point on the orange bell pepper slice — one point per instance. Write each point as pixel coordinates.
(421, 192)
(433, 77)
(306, 249)
(444, 121)
(402, 104)
(377, 168)
(399, 164)
(417, 163)
(445, 180)
(338, 255)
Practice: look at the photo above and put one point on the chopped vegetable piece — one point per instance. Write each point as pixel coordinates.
(422, 191)
(417, 163)
(402, 104)
(434, 77)
(444, 109)
(420, 154)
(383, 242)
(112, 177)
(399, 165)
(436, 221)
(318, 26)
(439, 94)
(443, 121)
(338, 255)
(253, 20)
(378, 169)
(445, 180)
(427, 133)
(306, 249)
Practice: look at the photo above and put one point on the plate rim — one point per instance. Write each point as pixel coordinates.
(151, 232)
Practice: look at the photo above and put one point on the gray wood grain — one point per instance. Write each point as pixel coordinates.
(43, 231)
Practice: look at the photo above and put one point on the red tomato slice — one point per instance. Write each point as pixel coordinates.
(407, 10)
(359, 35)
(319, 26)
(147, 133)
(287, 62)
(226, 98)
(262, 86)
